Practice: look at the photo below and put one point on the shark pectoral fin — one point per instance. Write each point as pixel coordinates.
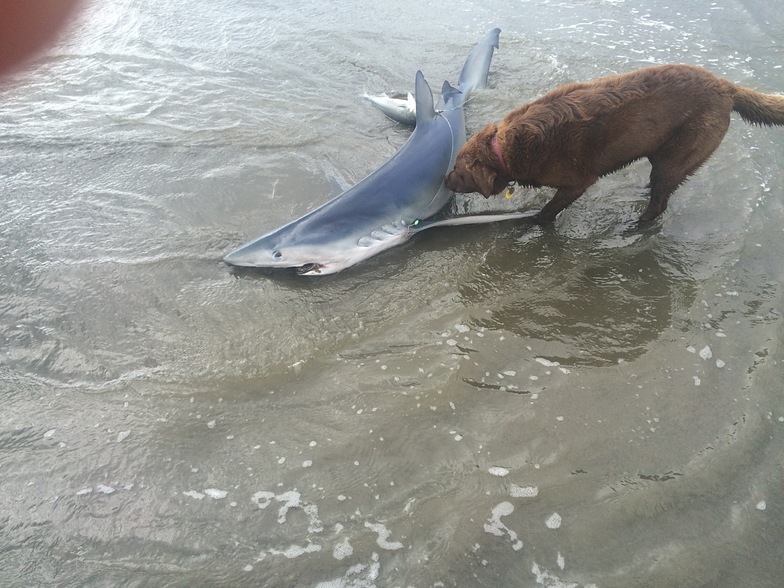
(477, 219)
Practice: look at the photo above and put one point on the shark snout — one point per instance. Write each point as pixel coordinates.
(254, 255)
(238, 258)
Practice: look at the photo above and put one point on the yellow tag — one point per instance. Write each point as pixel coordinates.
(509, 192)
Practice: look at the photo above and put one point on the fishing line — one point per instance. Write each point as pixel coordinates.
(451, 132)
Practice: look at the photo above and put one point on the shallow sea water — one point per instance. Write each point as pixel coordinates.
(587, 404)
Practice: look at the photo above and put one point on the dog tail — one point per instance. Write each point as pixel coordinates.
(757, 108)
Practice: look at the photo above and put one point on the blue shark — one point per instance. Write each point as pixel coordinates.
(400, 199)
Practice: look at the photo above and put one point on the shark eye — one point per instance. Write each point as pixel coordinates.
(277, 254)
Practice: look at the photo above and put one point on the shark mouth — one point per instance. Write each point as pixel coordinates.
(309, 268)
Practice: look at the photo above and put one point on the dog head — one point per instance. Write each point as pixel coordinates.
(477, 168)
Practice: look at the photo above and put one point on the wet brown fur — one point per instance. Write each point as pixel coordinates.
(675, 115)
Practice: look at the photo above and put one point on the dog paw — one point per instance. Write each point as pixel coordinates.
(530, 215)
(647, 218)
(541, 219)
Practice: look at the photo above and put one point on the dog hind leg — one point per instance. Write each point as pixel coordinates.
(664, 181)
(679, 158)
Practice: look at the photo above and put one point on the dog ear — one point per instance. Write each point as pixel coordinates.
(484, 178)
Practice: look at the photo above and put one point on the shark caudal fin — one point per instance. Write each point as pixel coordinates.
(473, 75)
(477, 65)
(425, 108)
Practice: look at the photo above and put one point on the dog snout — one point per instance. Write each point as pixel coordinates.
(456, 181)
(450, 180)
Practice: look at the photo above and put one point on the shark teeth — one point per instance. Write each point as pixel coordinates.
(309, 269)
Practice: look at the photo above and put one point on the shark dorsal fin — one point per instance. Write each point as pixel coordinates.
(425, 109)
(449, 92)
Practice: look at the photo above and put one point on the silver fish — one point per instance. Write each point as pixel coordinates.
(402, 110)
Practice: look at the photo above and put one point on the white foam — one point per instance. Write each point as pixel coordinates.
(383, 536)
(762, 505)
(290, 499)
(546, 362)
(314, 524)
(342, 550)
(293, 551)
(122, 436)
(194, 494)
(554, 521)
(547, 578)
(706, 353)
(104, 489)
(262, 499)
(523, 491)
(84, 491)
(494, 526)
(215, 493)
(498, 471)
(49, 433)
(357, 576)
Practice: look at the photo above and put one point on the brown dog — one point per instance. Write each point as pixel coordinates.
(675, 115)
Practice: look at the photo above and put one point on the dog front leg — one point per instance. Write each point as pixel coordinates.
(563, 198)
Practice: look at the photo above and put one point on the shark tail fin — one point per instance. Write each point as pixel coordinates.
(425, 109)
(476, 67)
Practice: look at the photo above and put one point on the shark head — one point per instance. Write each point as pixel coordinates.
(278, 250)
(315, 253)
(269, 254)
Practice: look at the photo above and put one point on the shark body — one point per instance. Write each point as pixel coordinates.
(398, 200)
